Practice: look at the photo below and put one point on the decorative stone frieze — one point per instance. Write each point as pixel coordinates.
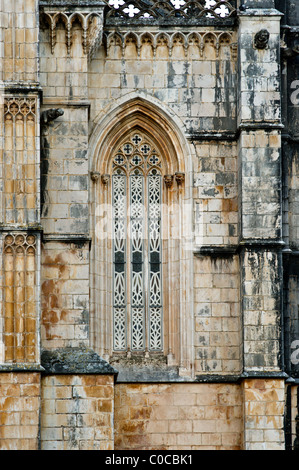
(170, 11)
(90, 21)
(170, 40)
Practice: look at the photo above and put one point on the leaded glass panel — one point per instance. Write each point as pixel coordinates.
(137, 275)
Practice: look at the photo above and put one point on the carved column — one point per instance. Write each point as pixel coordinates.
(20, 188)
(20, 227)
(19, 224)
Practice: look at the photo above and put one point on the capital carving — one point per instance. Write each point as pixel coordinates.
(168, 179)
(180, 177)
(105, 179)
(95, 175)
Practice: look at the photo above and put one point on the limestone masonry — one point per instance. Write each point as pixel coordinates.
(149, 225)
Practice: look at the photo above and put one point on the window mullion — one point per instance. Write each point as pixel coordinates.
(155, 325)
(119, 261)
(137, 262)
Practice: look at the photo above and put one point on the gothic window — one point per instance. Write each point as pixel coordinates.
(137, 302)
(141, 254)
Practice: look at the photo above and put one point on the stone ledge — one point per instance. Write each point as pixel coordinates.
(148, 374)
(75, 361)
(253, 10)
(64, 102)
(254, 374)
(21, 368)
(22, 87)
(66, 238)
(71, 3)
(21, 228)
(216, 250)
(229, 250)
(260, 125)
(213, 136)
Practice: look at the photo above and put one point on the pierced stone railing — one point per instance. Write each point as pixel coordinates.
(161, 12)
(169, 11)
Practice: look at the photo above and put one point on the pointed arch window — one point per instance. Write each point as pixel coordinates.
(137, 170)
(141, 269)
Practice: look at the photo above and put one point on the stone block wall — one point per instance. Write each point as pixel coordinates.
(64, 294)
(292, 197)
(19, 410)
(64, 170)
(218, 337)
(216, 193)
(294, 439)
(264, 402)
(178, 416)
(260, 167)
(194, 76)
(20, 38)
(77, 412)
(261, 287)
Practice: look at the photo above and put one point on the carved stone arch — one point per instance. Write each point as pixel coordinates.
(115, 45)
(225, 45)
(131, 44)
(178, 45)
(211, 44)
(147, 36)
(138, 119)
(61, 17)
(194, 45)
(77, 16)
(161, 45)
(113, 39)
(74, 20)
(225, 38)
(93, 33)
(164, 37)
(210, 38)
(163, 129)
(147, 47)
(193, 37)
(55, 20)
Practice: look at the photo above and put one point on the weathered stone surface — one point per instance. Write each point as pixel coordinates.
(181, 416)
(75, 361)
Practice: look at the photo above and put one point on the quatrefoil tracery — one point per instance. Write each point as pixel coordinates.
(137, 155)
